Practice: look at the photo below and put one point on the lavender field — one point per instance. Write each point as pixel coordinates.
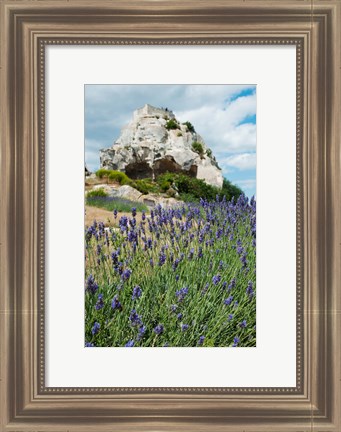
(181, 277)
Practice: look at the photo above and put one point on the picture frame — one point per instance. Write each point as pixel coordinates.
(27, 28)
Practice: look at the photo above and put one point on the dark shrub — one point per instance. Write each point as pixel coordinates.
(190, 127)
(96, 193)
(171, 124)
(119, 177)
(142, 186)
(192, 189)
(198, 148)
(230, 190)
(103, 173)
(165, 181)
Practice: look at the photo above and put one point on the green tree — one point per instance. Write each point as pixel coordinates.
(198, 148)
(171, 124)
(190, 127)
(230, 190)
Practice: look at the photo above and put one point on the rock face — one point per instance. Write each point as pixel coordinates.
(154, 142)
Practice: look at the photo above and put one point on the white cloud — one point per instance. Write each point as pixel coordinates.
(243, 161)
(221, 128)
(246, 184)
(198, 95)
(175, 96)
(240, 138)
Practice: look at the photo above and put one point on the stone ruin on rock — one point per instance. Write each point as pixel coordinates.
(154, 142)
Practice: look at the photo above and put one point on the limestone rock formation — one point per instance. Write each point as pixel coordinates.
(154, 142)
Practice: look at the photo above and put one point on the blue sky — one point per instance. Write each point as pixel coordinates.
(224, 115)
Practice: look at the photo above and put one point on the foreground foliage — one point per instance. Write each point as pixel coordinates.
(183, 277)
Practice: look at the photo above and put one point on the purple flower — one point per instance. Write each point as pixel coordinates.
(184, 327)
(123, 223)
(204, 290)
(101, 228)
(126, 274)
(95, 328)
(228, 301)
(142, 331)
(134, 318)
(115, 304)
(230, 317)
(179, 316)
(137, 292)
(91, 231)
(132, 236)
(89, 344)
(243, 260)
(175, 264)
(249, 290)
(173, 307)
(159, 329)
(235, 341)
(100, 304)
(162, 259)
(243, 324)
(133, 211)
(201, 340)
(181, 294)
(130, 343)
(232, 284)
(216, 279)
(115, 256)
(91, 285)
(115, 213)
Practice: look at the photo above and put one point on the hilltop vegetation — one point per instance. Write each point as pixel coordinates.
(186, 188)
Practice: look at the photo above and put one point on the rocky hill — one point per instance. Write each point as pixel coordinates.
(155, 142)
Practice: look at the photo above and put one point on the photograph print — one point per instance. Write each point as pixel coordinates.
(170, 216)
